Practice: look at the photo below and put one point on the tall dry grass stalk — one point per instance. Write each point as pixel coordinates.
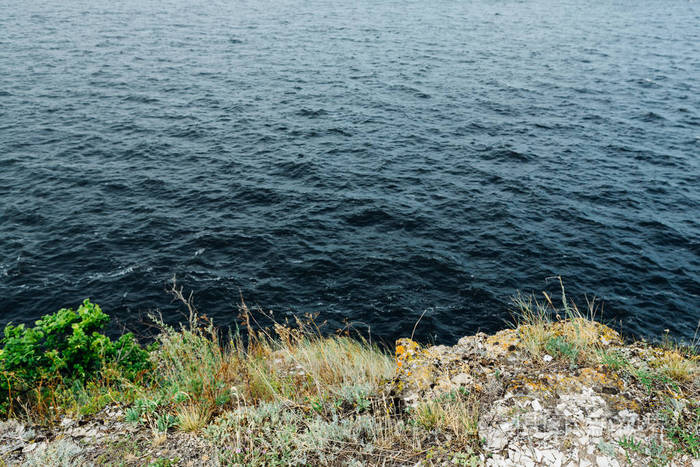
(283, 363)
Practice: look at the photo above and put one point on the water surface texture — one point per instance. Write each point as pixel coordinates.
(367, 160)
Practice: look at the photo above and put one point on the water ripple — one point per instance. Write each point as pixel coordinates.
(369, 161)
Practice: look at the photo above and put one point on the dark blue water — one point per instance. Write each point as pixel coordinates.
(366, 160)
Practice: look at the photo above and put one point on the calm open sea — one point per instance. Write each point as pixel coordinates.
(368, 160)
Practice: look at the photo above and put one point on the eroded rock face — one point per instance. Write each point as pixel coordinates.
(543, 409)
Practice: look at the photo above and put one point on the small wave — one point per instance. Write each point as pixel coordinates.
(410, 90)
(651, 117)
(310, 113)
(295, 169)
(253, 195)
(506, 155)
(123, 271)
(190, 131)
(368, 217)
(142, 99)
(645, 83)
(25, 217)
(339, 131)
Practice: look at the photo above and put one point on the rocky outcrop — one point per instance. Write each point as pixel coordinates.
(553, 408)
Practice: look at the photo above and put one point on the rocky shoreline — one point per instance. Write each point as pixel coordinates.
(570, 393)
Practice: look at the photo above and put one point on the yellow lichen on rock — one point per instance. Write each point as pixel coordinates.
(504, 341)
(406, 350)
(586, 332)
(415, 370)
(594, 376)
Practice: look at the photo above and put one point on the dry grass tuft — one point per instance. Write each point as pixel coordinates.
(679, 368)
(533, 320)
(454, 412)
(192, 418)
(544, 327)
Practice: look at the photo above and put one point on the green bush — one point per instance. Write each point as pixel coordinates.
(63, 348)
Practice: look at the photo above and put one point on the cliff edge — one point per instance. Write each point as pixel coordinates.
(549, 391)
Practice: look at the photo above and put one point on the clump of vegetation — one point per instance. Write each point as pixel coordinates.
(565, 331)
(456, 412)
(286, 394)
(64, 351)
